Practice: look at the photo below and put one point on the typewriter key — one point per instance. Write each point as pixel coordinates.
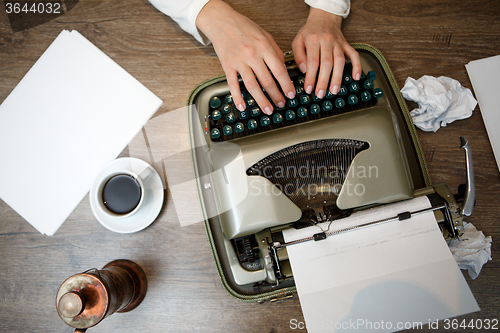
(243, 115)
(277, 118)
(339, 103)
(252, 124)
(226, 108)
(300, 81)
(366, 96)
(265, 121)
(227, 130)
(215, 134)
(216, 115)
(304, 99)
(354, 87)
(215, 102)
(327, 106)
(299, 90)
(239, 127)
(293, 102)
(377, 93)
(229, 99)
(255, 112)
(302, 112)
(368, 84)
(315, 109)
(371, 75)
(230, 118)
(352, 99)
(342, 91)
(289, 115)
(347, 79)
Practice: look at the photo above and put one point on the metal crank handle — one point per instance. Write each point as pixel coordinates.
(470, 186)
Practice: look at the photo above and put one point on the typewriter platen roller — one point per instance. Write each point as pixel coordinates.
(328, 162)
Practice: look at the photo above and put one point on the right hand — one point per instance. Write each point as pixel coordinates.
(245, 48)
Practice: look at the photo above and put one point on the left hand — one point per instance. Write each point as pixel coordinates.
(320, 45)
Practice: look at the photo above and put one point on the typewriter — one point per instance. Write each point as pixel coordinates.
(313, 161)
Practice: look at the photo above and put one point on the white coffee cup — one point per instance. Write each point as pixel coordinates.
(119, 197)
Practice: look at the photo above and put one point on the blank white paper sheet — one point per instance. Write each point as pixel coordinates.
(484, 74)
(383, 278)
(72, 113)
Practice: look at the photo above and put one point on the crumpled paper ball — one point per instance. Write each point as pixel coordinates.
(473, 251)
(441, 101)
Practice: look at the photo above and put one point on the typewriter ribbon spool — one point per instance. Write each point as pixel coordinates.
(85, 299)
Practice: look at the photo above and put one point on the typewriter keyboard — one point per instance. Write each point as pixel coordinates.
(226, 122)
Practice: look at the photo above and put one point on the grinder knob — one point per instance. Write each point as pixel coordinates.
(71, 304)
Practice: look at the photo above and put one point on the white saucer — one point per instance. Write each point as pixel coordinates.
(149, 210)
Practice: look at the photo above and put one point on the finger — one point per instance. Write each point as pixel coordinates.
(325, 71)
(267, 83)
(277, 49)
(338, 69)
(299, 53)
(352, 54)
(279, 71)
(234, 88)
(255, 90)
(313, 54)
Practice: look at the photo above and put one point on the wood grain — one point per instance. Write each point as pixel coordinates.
(417, 38)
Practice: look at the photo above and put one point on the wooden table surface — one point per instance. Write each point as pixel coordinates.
(417, 38)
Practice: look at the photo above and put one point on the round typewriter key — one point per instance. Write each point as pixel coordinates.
(316, 98)
(243, 95)
(239, 127)
(377, 93)
(289, 115)
(255, 112)
(342, 91)
(327, 106)
(215, 134)
(230, 118)
(363, 75)
(301, 80)
(227, 130)
(277, 118)
(354, 87)
(304, 99)
(250, 102)
(299, 90)
(226, 108)
(265, 121)
(352, 99)
(371, 75)
(215, 102)
(229, 99)
(315, 109)
(216, 115)
(302, 112)
(252, 124)
(293, 102)
(366, 96)
(329, 94)
(243, 115)
(368, 84)
(339, 103)
(347, 79)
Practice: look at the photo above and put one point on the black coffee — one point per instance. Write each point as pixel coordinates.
(121, 194)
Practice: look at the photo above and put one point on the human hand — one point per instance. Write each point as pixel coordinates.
(245, 48)
(320, 45)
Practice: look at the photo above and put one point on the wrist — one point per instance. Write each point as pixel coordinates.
(210, 13)
(316, 14)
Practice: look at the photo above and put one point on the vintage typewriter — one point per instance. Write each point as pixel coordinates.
(314, 160)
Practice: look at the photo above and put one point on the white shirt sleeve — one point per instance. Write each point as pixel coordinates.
(184, 12)
(337, 7)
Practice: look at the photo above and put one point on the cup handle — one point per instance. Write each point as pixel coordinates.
(145, 174)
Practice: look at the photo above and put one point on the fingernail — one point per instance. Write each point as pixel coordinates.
(281, 104)
(291, 94)
(358, 76)
(309, 89)
(321, 94)
(241, 107)
(303, 67)
(335, 90)
(268, 110)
